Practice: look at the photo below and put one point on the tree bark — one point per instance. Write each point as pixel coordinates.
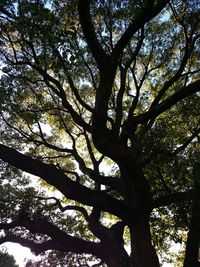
(117, 257)
(193, 240)
(138, 196)
(143, 253)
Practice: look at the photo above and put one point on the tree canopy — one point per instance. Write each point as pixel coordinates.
(100, 130)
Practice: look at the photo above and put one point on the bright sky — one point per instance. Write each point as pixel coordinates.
(21, 254)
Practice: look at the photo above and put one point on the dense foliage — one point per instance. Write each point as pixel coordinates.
(100, 130)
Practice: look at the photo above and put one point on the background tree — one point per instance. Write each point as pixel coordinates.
(7, 260)
(95, 85)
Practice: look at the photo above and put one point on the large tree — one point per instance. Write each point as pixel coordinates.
(100, 101)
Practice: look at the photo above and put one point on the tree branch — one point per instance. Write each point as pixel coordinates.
(68, 207)
(146, 14)
(71, 82)
(64, 184)
(60, 240)
(90, 35)
(168, 103)
(188, 50)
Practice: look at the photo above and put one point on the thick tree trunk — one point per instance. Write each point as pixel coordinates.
(143, 253)
(138, 196)
(193, 239)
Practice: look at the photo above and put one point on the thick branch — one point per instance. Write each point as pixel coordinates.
(59, 240)
(110, 181)
(90, 35)
(65, 185)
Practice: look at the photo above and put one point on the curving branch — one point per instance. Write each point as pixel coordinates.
(147, 13)
(59, 91)
(167, 103)
(112, 182)
(189, 46)
(71, 82)
(57, 203)
(38, 142)
(59, 240)
(57, 178)
(90, 35)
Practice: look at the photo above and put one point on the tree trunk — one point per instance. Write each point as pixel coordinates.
(116, 256)
(143, 253)
(119, 260)
(193, 240)
(138, 196)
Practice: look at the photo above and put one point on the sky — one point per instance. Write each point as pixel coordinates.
(21, 254)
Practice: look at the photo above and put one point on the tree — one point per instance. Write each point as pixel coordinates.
(89, 85)
(7, 260)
